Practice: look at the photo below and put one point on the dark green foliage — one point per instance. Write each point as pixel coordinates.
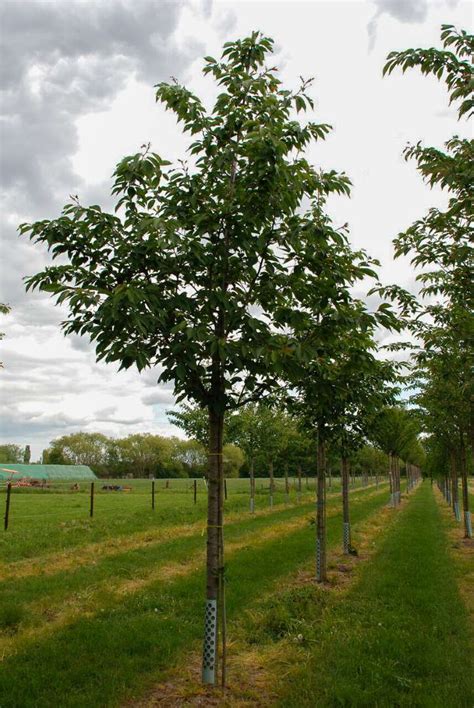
(454, 67)
(176, 277)
(11, 453)
(440, 245)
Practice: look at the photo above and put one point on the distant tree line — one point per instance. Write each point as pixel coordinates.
(262, 438)
(140, 455)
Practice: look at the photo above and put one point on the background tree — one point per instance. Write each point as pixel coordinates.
(370, 459)
(177, 277)
(233, 459)
(11, 453)
(343, 329)
(396, 432)
(27, 455)
(191, 455)
(89, 449)
(194, 421)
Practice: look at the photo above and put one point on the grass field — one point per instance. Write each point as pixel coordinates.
(107, 611)
(46, 519)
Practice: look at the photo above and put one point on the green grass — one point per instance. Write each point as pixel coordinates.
(51, 520)
(130, 642)
(401, 636)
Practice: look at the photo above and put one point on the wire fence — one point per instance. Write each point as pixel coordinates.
(60, 500)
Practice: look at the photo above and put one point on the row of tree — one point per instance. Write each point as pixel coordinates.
(139, 455)
(441, 318)
(10, 452)
(227, 273)
(259, 439)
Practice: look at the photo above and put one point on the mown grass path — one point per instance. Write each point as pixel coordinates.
(401, 637)
(127, 641)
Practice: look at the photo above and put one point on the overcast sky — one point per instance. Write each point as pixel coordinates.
(77, 94)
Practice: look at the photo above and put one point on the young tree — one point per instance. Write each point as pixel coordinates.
(396, 431)
(193, 420)
(343, 329)
(365, 385)
(177, 277)
(256, 430)
(27, 455)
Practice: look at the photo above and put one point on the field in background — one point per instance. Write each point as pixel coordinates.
(38, 516)
(100, 611)
(93, 610)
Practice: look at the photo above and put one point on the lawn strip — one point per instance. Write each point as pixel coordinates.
(401, 636)
(104, 659)
(60, 600)
(264, 645)
(73, 557)
(462, 552)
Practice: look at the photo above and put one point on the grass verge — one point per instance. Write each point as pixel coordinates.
(132, 641)
(401, 637)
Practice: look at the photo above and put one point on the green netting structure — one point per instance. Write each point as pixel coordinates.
(53, 472)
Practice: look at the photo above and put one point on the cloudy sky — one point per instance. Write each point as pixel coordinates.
(77, 82)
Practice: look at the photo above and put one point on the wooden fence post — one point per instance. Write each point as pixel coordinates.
(92, 500)
(7, 504)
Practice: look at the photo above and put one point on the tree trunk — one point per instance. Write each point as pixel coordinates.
(321, 570)
(465, 490)
(214, 561)
(346, 525)
(272, 485)
(252, 487)
(391, 479)
(397, 480)
(454, 485)
(287, 487)
(299, 482)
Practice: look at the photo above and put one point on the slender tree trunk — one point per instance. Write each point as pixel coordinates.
(454, 485)
(391, 479)
(272, 484)
(321, 569)
(465, 490)
(299, 482)
(448, 490)
(214, 561)
(287, 486)
(396, 467)
(346, 525)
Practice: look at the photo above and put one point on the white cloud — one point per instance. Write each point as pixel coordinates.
(406, 11)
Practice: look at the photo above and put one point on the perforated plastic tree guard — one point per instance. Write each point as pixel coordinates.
(210, 643)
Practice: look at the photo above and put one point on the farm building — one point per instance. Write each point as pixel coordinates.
(46, 472)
